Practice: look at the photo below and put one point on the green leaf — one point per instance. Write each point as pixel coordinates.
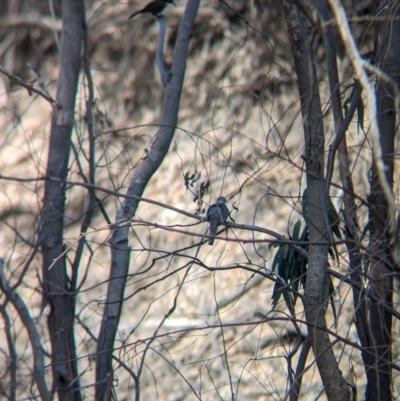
(296, 231)
(334, 219)
(291, 268)
(360, 114)
(359, 108)
(277, 292)
(274, 245)
(365, 230)
(288, 299)
(278, 258)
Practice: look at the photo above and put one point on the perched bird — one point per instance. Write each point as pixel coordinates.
(216, 216)
(155, 7)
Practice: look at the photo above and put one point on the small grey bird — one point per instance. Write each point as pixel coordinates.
(216, 216)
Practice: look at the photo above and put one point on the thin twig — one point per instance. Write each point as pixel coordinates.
(29, 87)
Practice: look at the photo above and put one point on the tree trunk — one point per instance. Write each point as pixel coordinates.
(379, 375)
(56, 284)
(119, 242)
(316, 290)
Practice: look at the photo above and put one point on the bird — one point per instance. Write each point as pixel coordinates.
(216, 216)
(155, 7)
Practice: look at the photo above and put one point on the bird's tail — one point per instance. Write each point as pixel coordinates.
(213, 231)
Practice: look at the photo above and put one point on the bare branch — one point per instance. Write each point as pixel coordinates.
(36, 344)
(29, 87)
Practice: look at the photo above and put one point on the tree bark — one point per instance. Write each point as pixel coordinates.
(119, 242)
(316, 290)
(57, 290)
(379, 375)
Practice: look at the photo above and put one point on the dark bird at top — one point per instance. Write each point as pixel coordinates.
(155, 7)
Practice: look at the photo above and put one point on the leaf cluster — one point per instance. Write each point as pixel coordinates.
(290, 266)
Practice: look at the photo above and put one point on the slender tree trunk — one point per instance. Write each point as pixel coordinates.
(56, 284)
(316, 291)
(120, 249)
(379, 375)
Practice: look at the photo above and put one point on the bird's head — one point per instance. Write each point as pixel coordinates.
(221, 199)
